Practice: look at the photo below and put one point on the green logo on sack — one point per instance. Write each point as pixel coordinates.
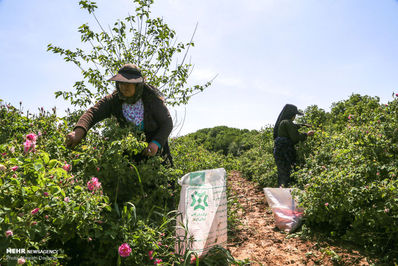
(200, 199)
(197, 179)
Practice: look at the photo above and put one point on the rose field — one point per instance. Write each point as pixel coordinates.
(104, 203)
(97, 206)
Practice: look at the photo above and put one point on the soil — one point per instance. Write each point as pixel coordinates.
(257, 239)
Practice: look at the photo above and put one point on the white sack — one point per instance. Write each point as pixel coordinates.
(286, 213)
(203, 208)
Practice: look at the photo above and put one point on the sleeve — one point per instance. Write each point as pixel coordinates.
(294, 134)
(164, 121)
(95, 114)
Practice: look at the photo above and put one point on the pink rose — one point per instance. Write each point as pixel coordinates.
(34, 223)
(32, 137)
(21, 261)
(45, 194)
(150, 253)
(93, 184)
(34, 211)
(14, 168)
(326, 204)
(29, 146)
(157, 261)
(66, 199)
(67, 167)
(124, 250)
(9, 233)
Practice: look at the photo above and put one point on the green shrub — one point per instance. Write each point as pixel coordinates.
(349, 182)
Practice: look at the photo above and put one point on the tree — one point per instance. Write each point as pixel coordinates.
(147, 42)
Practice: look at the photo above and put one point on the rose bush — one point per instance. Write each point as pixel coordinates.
(88, 202)
(349, 173)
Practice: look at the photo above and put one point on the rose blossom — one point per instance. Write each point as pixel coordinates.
(67, 167)
(21, 261)
(150, 253)
(32, 137)
(30, 142)
(14, 168)
(66, 199)
(9, 233)
(124, 250)
(28, 145)
(93, 184)
(34, 211)
(157, 261)
(326, 204)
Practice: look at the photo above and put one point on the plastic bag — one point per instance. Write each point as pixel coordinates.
(203, 208)
(287, 215)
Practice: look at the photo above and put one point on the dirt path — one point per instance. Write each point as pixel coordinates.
(262, 243)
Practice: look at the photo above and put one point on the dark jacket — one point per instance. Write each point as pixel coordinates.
(157, 120)
(286, 135)
(289, 130)
(287, 113)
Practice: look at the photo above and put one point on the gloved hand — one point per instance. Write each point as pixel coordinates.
(310, 133)
(151, 150)
(74, 137)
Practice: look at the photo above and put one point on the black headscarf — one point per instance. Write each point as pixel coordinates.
(287, 112)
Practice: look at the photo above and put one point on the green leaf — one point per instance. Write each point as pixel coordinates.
(45, 157)
(38, 166)
(53, 163)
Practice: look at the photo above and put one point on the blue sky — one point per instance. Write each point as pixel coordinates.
(266, 53)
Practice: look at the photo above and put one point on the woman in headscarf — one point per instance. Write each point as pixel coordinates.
(286, 135)
(134, 102)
